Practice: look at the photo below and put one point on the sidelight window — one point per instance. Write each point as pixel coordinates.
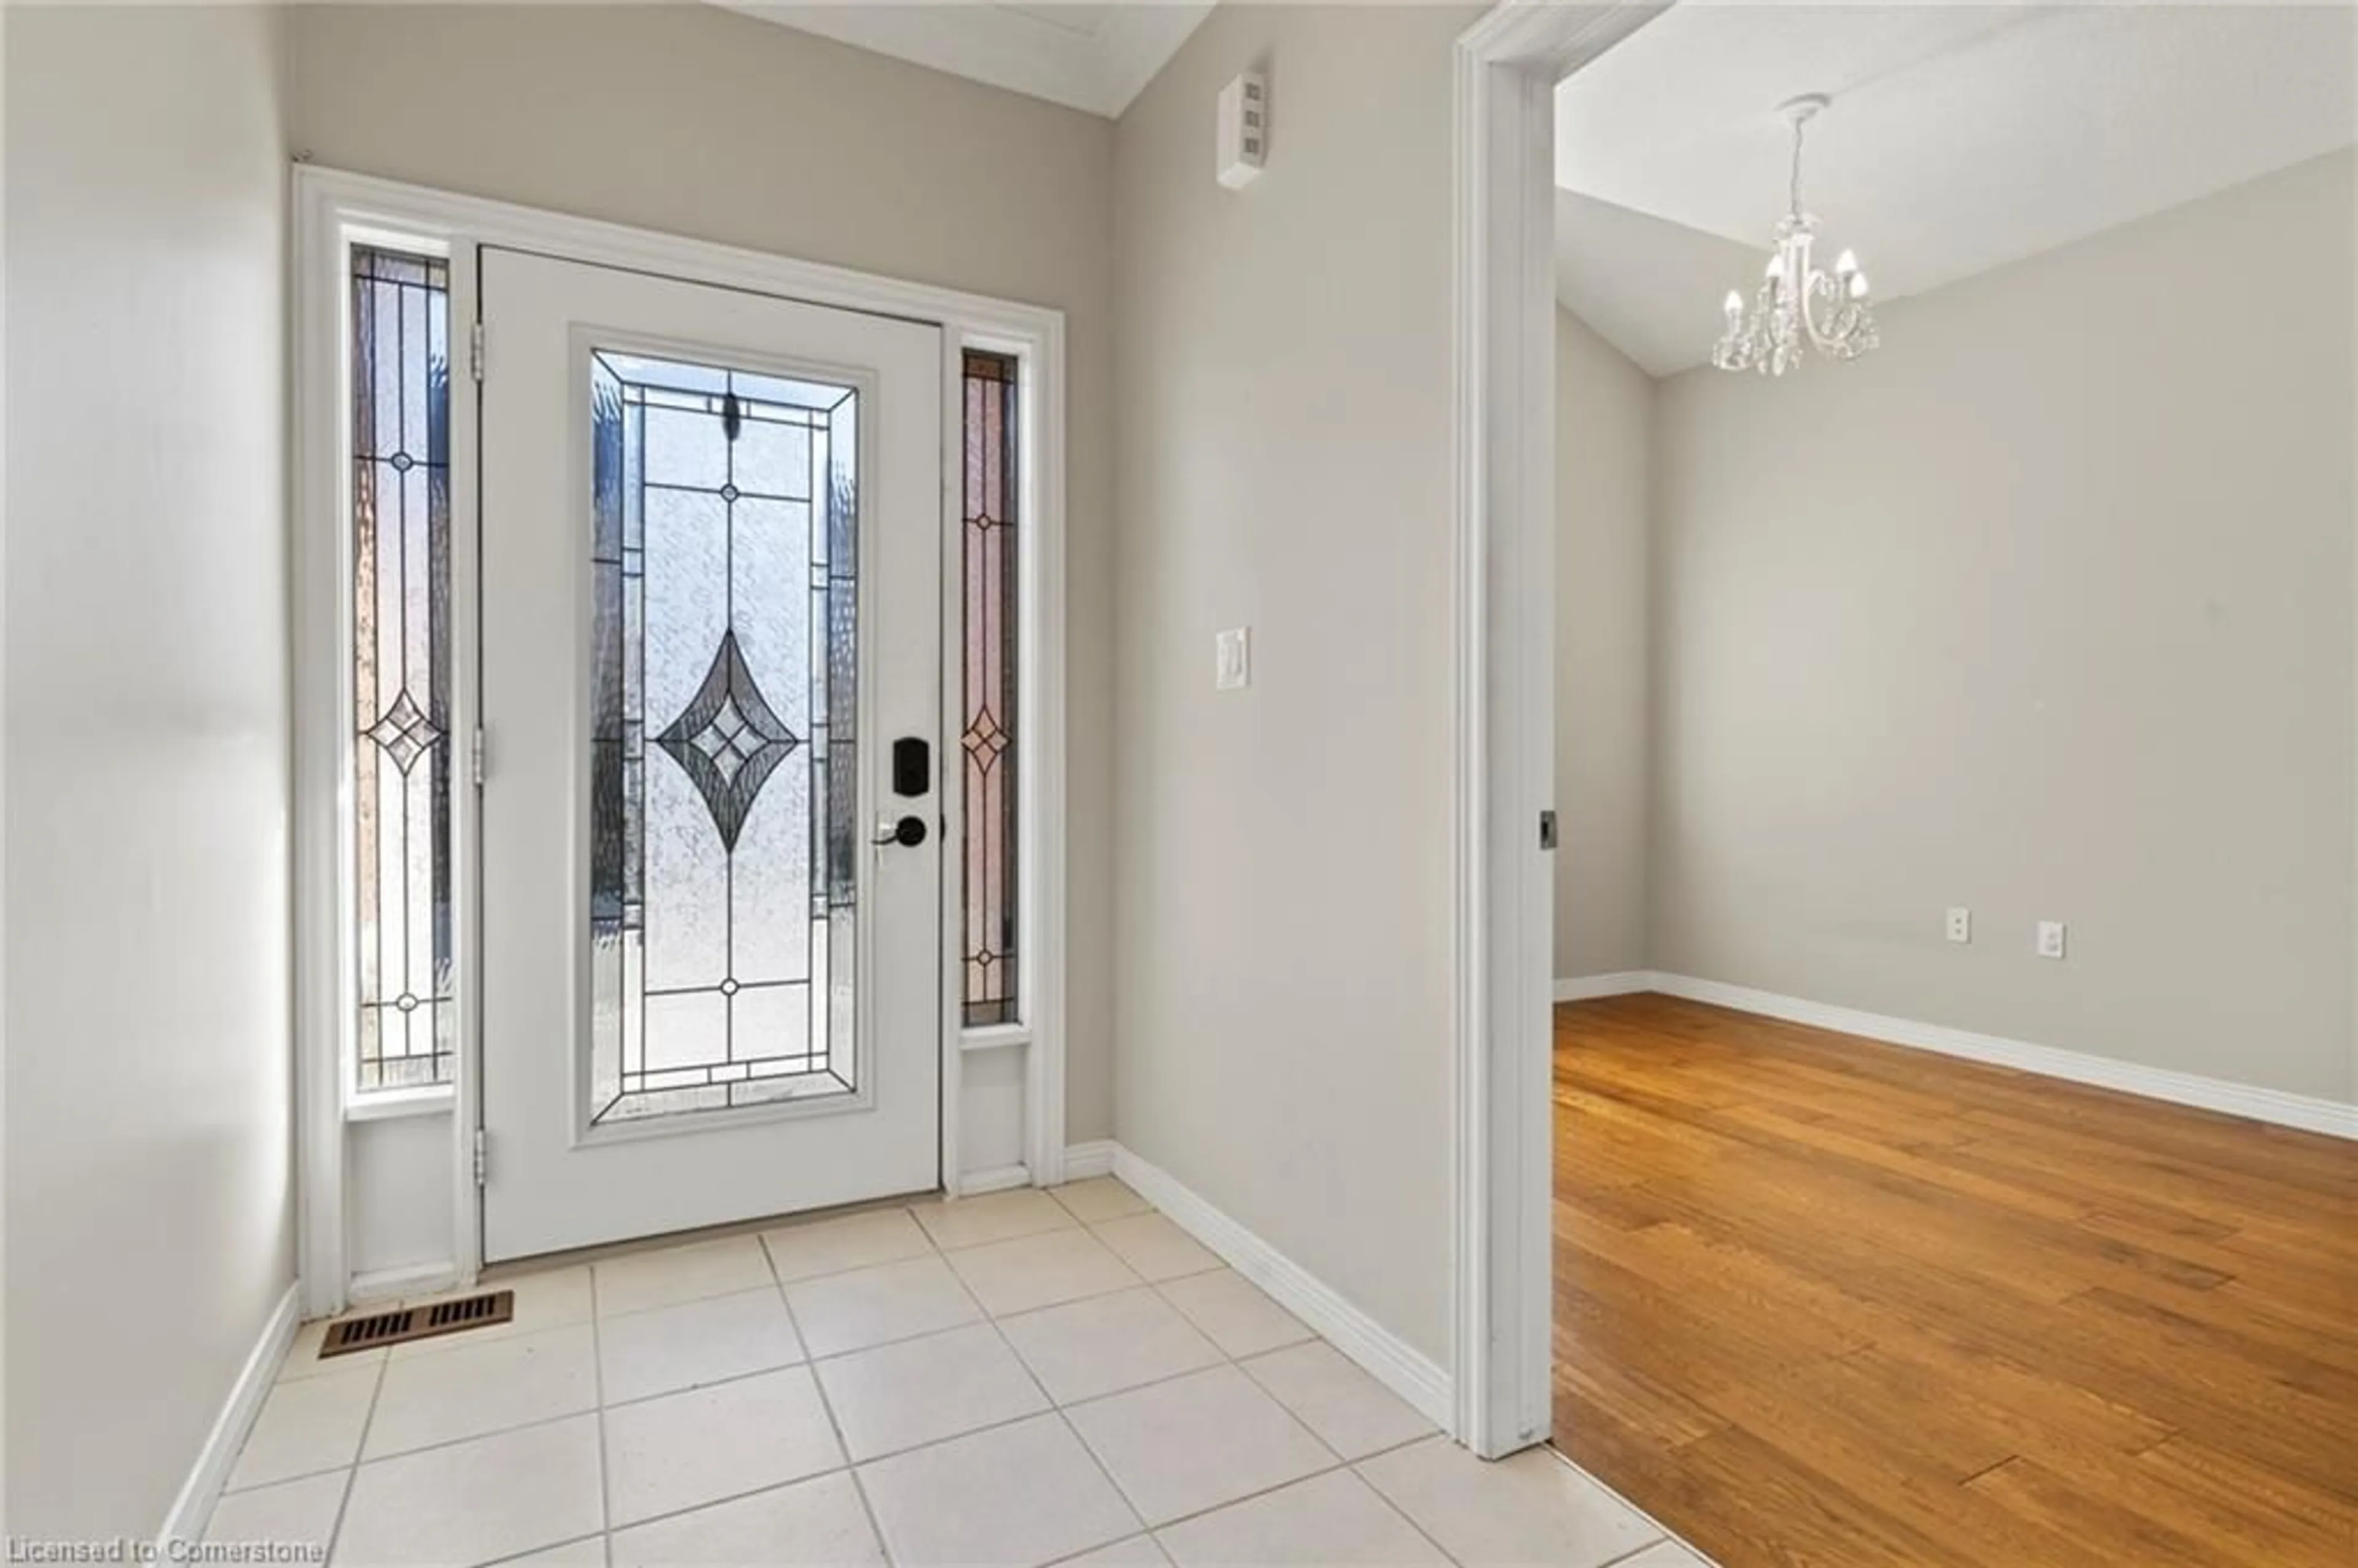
(401, 758)
(988, 880)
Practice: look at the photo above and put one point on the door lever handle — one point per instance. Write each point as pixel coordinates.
(907, 831)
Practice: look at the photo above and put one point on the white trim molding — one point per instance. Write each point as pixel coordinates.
(2332, 1118)
(192, 1510)
(407, 1280)
(1093, 59)
(316, 558)
(328, 205)
(1384, 1356)
(1040, 742)
(1506, 69)
(994, 1179)
(1083, 1161)
(1624, 982)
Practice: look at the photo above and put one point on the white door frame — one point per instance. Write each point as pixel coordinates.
(328, 205)
(1507, 68)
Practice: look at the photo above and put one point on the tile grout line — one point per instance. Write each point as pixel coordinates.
(458, 1342)
(1386, 1497)
(806, 1360)
(1613, 1492)
(802, 1360)
(436, 1447)
(1149, 1531)
(1055, 1406)
(760, 1238)
(650, 1311)
(442, 1342)
(1058, 1410)
(827, 1406)
(381, 1367)
(1637, 1551)
(1064, 1417)
(917, 1448)
(276, 1385)
(353, 1475)
(599, 1537)
(1141, 1533)
(597, 1390)
(1340, 1467)
(1227, 1360)
(996, 1321)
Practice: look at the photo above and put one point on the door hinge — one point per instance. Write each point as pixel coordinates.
(1547, 819)
(475, 350)
(483, 1158)
(476, 760)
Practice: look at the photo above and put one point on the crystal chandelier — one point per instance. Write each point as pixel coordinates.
(1798, 307)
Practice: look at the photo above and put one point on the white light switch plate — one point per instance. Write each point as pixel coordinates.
(1232, 659)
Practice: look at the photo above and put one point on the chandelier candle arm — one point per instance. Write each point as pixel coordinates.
(1797, 306)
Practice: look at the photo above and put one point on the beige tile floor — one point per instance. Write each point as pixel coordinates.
(1025, 1378)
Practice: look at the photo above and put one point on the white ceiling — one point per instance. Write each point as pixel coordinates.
(1083, 54)
(1961, 138)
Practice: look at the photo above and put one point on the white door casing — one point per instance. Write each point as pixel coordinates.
(1506, 66)
(553, 1180)
(352, 1186)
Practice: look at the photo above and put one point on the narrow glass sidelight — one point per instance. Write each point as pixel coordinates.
(722, 872)
(988, 741)
(401, 756)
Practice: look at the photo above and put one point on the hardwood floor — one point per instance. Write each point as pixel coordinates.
(1829, 1302)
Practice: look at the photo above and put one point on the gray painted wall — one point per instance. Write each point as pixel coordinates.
(1282, 912)
(2045, 609)
(148, 1117)
(1605, 412)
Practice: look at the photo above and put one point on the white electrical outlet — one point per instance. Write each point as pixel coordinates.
(1961, 923)
(2050, 938)
(1232, 659)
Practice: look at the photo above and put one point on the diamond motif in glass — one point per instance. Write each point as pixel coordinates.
(405, 733)
(727, 740)
(400, 759)
(989, 868)
(722, 872)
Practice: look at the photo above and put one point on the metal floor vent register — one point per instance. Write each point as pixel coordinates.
(371, 1330)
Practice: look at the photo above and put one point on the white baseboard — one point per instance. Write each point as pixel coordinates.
(193, 1508)
(994, 1179)
(1583, 987)
(2311, 1115)
(409, 1280)
(1386, 1358)
(1083, 1161)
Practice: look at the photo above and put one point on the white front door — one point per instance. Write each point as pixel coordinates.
(712, 580)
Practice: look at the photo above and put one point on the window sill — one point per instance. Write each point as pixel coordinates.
(391, 1104)
(995, 1037)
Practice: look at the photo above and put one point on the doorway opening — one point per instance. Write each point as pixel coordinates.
(670, 744)
(1868, 1186)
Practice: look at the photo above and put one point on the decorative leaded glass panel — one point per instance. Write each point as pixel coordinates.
(401, 666)
(988, 739)
(722, 876)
